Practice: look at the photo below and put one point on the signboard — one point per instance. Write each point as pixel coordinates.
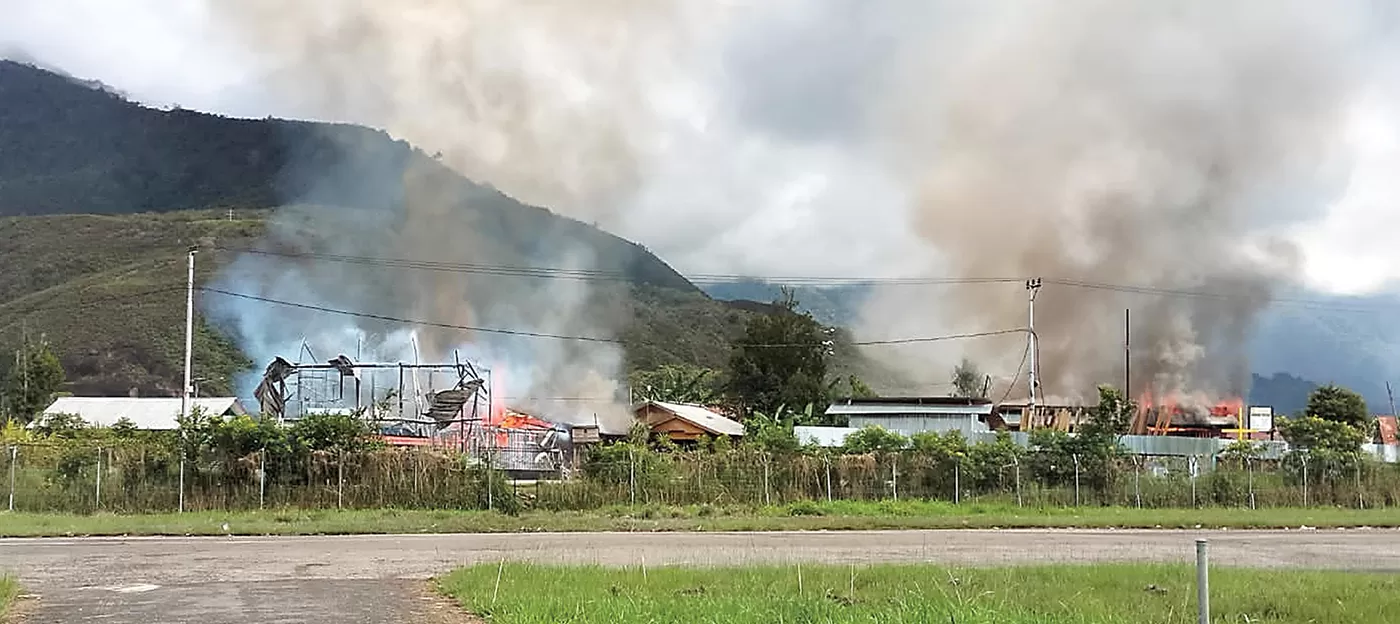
(1261, 418)
(1387, 427)
(584, 434)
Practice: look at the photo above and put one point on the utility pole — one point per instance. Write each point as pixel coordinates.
(189, 350)
(1127, 352)
(1033, 285)
(1390, 395)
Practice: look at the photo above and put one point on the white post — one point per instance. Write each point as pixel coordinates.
(1249, 464)
(894, 478)
(1016, 465)
(262, 478)
(632, 477)
(340, 480)
(1076, 480)
(957, 483)
(767, 497)
(98, 501)
(1203, 581)
(1305, 480)
(14, 459)
(189, 352)
(1137, 481)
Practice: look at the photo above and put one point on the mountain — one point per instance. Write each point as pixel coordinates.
(100, 198)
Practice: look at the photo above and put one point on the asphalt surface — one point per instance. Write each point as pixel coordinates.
(381, 579)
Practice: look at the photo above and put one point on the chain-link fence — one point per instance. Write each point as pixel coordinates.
(148, 478)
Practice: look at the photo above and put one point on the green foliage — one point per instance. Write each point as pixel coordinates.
(61, 426)
(968, 380)
(875, 439)
(677, 383)
(334, 432)
(1339, 405)
(774, 433)
(781, 360)
(32, 381)
(1318, 434)
(1109, 419)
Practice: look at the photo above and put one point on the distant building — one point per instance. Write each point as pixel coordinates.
(911, 415)
(685, 423)
(149, 413)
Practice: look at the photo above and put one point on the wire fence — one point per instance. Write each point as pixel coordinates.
(145, 478)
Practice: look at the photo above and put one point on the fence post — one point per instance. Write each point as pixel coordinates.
(180, 505)
(262, 478)
(1016, 464)
(894, 478)
(340, 480)
(957, 483)
(1249, 464)
(1360, 495)
(14, 459)
(632, 477)
(1076, 480)
(1305, 480)
(97, 501)
(767, 495)
(1193, 465)
(1203, 581)
(827, 461)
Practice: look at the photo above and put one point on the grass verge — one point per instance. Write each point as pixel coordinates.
(799, 517)
(9, 589)
(1101, 594)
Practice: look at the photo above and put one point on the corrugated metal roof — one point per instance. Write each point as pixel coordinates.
(700, 417)
(145, 412)
(900, 409)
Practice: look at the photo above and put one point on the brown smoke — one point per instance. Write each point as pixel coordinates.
(1121, 143)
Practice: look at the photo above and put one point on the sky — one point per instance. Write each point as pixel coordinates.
(176, 52)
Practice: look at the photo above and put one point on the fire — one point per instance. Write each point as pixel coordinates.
(1177, 412)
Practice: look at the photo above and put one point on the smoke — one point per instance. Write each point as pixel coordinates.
(1143, 144)
(1164, 146)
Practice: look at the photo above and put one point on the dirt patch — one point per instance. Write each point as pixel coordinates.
(20, 609)
(430, 607)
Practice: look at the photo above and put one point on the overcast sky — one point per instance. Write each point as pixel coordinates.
(167, 52)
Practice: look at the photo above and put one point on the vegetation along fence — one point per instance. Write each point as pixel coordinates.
(78, 476)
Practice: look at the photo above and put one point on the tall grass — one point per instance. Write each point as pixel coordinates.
(9, 589)
(1101, 594)
(144, 478)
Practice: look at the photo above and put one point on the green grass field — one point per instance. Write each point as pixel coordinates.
(799, 516)
(1104, 594)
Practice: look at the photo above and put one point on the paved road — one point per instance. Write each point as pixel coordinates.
(376, 579)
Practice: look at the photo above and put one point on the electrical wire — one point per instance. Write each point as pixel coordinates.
(598, 339)
(1019, 367)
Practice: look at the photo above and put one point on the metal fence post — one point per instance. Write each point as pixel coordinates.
(894, 478)
(957, 483)
(262, 478)
(1203, 581)
(767, 494)
(1360, 494)
(1305, 480)
(1253, 500)
(97, 501)
(1137, 480)
(340, 480)
(1076, 480)
(632, 476)
(1016, 465)
(828, 478)
(14, 459)
(1193, 466)
(180, 505)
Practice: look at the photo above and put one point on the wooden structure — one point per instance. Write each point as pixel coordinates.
(685, 423)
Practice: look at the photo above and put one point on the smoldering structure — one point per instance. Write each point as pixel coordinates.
(447, 405)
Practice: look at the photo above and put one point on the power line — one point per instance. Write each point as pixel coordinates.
(598, 339)
(602, 275)
(1025, 354)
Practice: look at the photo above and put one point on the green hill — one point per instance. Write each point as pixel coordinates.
(101, 197)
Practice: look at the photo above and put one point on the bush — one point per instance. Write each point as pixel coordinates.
(875, 439)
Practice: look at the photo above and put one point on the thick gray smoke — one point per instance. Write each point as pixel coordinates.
(1156, 145)
(1146, 144)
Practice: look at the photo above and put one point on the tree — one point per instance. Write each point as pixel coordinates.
(677, 384)
(1319, 435)
(967, 380)
(32, 381)
(1338, 404)
(780, 360)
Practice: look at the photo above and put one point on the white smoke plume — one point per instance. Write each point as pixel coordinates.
(1157, 145)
